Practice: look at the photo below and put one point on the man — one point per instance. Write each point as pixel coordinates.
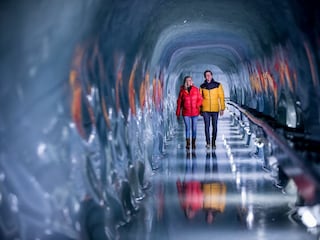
(214, 190)
(212, 104)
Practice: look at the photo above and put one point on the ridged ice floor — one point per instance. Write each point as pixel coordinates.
(250, 205)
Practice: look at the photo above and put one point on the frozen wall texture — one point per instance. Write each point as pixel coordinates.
(88, 91)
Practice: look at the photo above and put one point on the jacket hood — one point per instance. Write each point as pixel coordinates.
(210, 85)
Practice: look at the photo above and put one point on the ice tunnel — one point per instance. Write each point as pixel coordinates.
(90, 146)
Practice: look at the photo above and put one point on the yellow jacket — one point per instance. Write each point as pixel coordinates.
(213, 97)
(214, 196)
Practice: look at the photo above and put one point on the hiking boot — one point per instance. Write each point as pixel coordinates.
(187, 143)
(193, 143)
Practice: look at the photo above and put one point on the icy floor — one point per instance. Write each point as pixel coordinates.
(250, 205)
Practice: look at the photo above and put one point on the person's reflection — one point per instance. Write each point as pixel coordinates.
(214, 191)
(189, 191)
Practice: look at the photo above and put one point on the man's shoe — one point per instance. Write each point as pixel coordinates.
(187, 143)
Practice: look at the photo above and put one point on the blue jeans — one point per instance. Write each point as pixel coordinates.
(206, 118)
(193, 120)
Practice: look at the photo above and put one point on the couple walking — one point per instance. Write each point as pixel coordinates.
(208, 101)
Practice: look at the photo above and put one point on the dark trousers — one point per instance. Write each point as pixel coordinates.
(214, 117)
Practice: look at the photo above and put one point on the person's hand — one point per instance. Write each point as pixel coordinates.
(221, 112)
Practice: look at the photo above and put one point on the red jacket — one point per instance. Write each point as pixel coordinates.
(189, 102)
(190, 194)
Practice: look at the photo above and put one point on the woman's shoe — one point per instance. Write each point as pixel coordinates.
(193, 143)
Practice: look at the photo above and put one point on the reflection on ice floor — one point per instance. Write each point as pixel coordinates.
(215, 194)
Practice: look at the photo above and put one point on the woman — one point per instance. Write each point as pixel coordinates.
(189, 101)
(189, 190)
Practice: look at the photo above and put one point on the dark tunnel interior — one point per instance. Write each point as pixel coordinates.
(88, 96)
